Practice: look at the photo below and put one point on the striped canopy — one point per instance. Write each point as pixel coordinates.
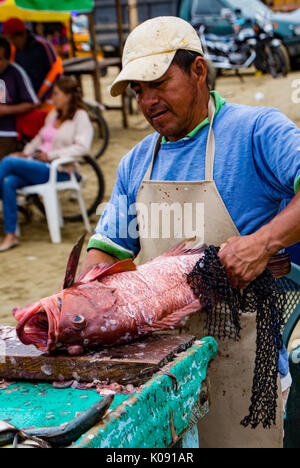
(56, 5)
(9, 9)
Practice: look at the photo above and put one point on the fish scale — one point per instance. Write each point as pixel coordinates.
(155, 289)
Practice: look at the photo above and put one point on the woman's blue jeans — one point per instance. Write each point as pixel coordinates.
(16, 173)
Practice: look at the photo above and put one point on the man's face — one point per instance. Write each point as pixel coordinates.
(169, 103)
(4, 62)
(18, 40)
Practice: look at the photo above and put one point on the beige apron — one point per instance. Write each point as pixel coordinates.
(231, 374)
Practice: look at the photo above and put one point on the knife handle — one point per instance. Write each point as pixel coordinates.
(280, 265)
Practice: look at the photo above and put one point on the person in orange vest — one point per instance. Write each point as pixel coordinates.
(38, 58)
(17, 97)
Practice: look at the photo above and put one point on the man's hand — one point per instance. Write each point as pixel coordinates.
(94, 257)
(16, 109)
(244, 258)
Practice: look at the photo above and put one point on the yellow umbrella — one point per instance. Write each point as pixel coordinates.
(8, 9)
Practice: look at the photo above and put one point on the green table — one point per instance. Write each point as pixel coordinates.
(158, 415)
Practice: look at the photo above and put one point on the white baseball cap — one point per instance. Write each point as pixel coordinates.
(150, 49)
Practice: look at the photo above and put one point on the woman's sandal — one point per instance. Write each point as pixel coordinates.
(9, 246)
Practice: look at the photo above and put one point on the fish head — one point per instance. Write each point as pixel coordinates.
(38, 323)
(76, 318)
(84, 313)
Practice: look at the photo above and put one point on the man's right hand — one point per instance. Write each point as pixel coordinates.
(94, 257)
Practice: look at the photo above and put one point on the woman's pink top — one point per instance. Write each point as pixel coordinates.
(48, 134)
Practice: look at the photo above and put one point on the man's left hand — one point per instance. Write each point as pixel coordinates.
(244, 258)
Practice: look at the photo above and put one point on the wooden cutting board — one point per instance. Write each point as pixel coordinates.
(133, 363)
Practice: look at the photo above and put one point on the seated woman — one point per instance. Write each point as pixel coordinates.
(67, 132)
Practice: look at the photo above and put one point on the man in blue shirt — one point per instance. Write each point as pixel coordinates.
(252, 163)
(17, 97)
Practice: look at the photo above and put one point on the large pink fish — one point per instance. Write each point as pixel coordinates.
(113, 304)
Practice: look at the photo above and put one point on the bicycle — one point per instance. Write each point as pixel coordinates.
(101, 131)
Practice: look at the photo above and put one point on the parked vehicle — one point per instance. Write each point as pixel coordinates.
(106, 19)
(286, 26)
(271, 56)
(229, 52)
(251, 44)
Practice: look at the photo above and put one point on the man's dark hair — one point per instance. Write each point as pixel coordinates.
(184, 59)
(5, 45)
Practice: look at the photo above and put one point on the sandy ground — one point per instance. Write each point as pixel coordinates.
(36, 268)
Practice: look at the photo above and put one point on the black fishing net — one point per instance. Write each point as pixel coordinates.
(224, 306)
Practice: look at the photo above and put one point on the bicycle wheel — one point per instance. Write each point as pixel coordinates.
(101, 132)
(92, 189)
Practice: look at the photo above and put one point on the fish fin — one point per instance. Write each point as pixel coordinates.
(187, 247)
(173, 320)
(104, 269)
(73, 263)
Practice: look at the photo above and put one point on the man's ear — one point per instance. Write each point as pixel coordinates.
(199, 68)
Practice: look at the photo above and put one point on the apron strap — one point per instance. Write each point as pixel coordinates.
(210, 147)
(155, 151)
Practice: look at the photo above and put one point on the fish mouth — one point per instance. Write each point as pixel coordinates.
(38, 324)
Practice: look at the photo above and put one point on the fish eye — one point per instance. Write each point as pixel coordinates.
(78, 319)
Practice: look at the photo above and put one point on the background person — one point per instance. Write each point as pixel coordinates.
(17, 97)
(68, 132)
(38, 58)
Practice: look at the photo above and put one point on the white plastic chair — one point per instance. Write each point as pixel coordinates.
(49, 193)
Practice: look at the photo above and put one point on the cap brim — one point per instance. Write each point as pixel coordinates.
(148, 68)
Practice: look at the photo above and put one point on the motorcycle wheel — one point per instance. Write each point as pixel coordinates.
(261, 63)
(277, 62)
(287, 58)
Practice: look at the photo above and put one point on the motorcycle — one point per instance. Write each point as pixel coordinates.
(271, 56)
(251, 44)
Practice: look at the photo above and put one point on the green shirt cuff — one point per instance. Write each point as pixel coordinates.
(119, 253)
(297, 185)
